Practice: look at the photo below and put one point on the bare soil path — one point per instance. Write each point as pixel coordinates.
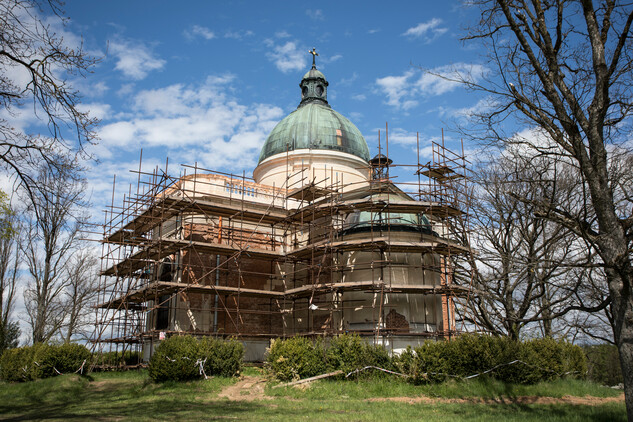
(248, 388)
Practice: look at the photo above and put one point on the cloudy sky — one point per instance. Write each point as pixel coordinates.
(205, 82)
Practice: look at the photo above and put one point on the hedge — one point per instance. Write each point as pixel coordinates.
(536, 360)
(299, 357)
(42, 361)
(295, 358)
(179, 358)
(469, 354)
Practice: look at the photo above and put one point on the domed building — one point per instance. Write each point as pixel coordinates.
(318, 243)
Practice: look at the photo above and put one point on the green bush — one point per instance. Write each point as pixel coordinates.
(299, 357)
(468, 354)
(295, 358)
(15, 364)
(49, 360)
(603, 364)
(346, 353)
(223, 358)
(179, 358)
(175, 359)
(405, 362)
(42, 361)
(547, 359)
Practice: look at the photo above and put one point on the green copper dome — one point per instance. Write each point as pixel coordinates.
(314, 125)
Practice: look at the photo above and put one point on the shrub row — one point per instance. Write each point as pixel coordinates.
(42, 361)
(538, 360)
(179, 358)
(299, 357)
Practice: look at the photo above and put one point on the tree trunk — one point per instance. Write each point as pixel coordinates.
(622, 302)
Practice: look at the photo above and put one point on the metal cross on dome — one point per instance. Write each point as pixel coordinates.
(314, 54)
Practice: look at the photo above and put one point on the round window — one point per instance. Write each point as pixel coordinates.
(304, 91)
(319, 90)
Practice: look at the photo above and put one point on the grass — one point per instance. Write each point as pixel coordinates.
(131, 395)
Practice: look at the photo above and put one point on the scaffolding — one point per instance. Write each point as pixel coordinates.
(212, 253)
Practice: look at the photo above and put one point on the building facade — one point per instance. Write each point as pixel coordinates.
(318, 242)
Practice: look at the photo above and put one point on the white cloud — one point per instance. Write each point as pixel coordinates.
(409, 140)
(332, 58)
(201, 123)
(467, 112)
(135, 59)
(287, 57)
(282, 34)
(126, 89)
(397, 88)
(359, 97)
(238, 35)
(402, 91)
(98, 110)
(199, 31)
(428, 31)
(316, 14)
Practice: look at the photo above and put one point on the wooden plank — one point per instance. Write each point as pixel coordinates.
(303, 381)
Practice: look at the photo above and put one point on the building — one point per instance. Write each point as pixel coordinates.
(319, 242)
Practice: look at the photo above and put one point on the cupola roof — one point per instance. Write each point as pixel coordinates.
(314, 124)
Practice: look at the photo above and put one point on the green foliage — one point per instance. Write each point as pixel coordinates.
(295, 358)
(346, 352)
(175, 359)
(9, 336)
(603, 363)
(128, 357)
(15, 364)
(178, 358)
(42, 361)
(405, 362)
(299, 357)
(349, 352)
(435, 361)
(223, 358)
(6, 217)
(539, 360)
(49, 361)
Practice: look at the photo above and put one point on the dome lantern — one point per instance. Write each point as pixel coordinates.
(313, 85)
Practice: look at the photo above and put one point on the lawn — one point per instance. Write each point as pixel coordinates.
(131, 395)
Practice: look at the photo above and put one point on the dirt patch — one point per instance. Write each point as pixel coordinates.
(586, 401)
(248, 388)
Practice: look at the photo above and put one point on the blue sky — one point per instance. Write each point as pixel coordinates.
(205, 82)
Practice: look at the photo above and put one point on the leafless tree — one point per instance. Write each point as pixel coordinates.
(80, 294)
(530, 272)
(36, 63)
(565, 68)
(54, 221)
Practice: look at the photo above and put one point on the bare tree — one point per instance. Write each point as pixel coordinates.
(529, 272)
(566, 68)
(54, 221)
(35, 65)
(80, 293)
